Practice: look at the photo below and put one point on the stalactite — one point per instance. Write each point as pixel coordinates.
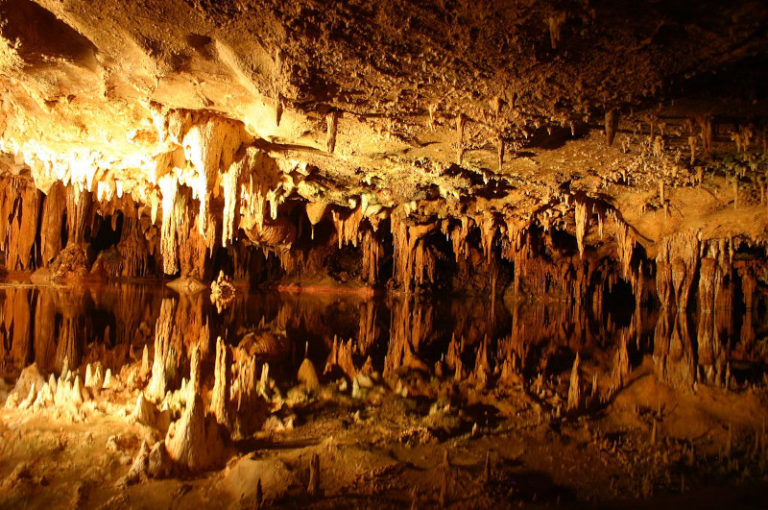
(458, 237)
(315, 212)
(331, 121)
(705, 123)
(230, 185)
(748, 288)
(16, 323)
(192, 248)
(44, 327)
(348, 227)
(625, 245)
(373, 252)
(581, 218)
(368, 329)
(169, 189)
(79, 204)
(487, 233)
(209, 145)
(413, 263)
(24, 199)
(51, 223)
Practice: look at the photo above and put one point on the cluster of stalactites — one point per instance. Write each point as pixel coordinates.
(676, 267)
(24, 219)
(414, 262)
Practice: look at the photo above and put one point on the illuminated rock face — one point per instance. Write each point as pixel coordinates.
(534, 211)
(452, 147)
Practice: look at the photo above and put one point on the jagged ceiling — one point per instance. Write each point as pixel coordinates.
(442, 102)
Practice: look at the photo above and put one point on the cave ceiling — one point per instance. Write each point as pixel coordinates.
(437, 108)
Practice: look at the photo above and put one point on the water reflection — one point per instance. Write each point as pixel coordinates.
(489, 342)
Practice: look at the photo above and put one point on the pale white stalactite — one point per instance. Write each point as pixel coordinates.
(229, 186)
(581, 225)
(169, 187)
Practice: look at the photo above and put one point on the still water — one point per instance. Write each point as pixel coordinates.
(113, 323)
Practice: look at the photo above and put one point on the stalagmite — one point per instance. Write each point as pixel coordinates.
(555, 24)
(341, 357)
(482, 369)
(220, 407)
(147, 414)
(621, 365)
(307, 375)
(195, 442)
(611, 124)
(313, 488)
(138, 467)
(158, 382)
(574, 391)
(144, 368)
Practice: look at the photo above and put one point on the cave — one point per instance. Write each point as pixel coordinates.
(436, 254)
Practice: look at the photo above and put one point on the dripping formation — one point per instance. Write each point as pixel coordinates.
(264, 253)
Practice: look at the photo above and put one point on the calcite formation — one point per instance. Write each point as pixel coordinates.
(165, 163)
(525, 199)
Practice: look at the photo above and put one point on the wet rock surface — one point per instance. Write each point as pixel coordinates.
(439, 253)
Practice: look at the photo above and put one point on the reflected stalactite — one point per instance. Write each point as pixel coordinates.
(369, 331)
(710, 348)
(45, 340)
(677, 266)
(15, 331)
(410, 325)
(748, 282)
